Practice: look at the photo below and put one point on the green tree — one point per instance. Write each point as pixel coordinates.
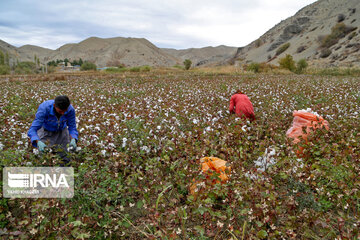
(301, 66)
(287, 62)
(2, 58)
(75, 62)
(4, 70)
(254, 66)
(25, 68)
(86, 66)
(80, 62)
(187, 64)
(282, 49)
(52, 63)
(7, 59)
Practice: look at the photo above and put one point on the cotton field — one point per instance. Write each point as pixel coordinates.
(140, 141)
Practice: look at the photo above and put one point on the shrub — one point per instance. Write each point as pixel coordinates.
(4, 70)
(337, 32)
(258, 43)
(300, 49)
(282, 49)
(287, 62)
(301, 66)
(178, 66)
(325, 53)
(115, 70)
(145, 68)
(341, 17)
(135, 69)
(259, 67)
(86, 66)
(187, 64)
(25, 68)
(254, 67)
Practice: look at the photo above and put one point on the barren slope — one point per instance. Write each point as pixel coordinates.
(128, 51)
(203, 56)
(304, 32)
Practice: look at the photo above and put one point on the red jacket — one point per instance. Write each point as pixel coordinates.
(243, 106)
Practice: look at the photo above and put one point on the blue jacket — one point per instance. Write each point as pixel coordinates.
(45, 117)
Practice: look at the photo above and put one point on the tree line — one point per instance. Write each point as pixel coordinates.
(32, 67)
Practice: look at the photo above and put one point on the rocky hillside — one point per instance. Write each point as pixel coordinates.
(10, 50)
(113, 51)
(28, 52)
(203, 56)
(127, 51)
(104, 52)
(325, 33)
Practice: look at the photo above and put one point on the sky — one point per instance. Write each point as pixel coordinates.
(178, 24)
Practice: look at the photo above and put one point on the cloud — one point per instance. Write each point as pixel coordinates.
(176, 24)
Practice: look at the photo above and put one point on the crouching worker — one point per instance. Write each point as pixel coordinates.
(55, 126)
(241, 105)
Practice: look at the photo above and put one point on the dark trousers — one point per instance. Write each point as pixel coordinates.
(57, 141)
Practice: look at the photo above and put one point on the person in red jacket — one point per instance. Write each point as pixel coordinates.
(241, 105)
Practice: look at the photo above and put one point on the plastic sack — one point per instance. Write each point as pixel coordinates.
(215, 164)
(308, 119)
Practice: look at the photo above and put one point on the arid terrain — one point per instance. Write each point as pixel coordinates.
(325, 34)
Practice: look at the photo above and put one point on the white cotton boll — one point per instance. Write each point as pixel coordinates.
(103, 152)
(272, 153)
(158, 127)
(23, 135)
(124, 142)
(35, 151)
(1, 146)
(243, 128)
(195, 121)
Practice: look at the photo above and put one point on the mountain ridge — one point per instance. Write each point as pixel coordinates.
(301, 35)
(304, 33)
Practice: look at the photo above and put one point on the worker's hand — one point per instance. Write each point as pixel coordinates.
(41, 146)
(73, 144)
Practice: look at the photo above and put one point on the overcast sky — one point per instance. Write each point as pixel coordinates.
(176, 24)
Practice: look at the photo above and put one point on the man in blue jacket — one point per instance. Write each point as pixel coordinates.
(55, 125)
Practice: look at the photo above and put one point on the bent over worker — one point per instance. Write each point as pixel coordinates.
(54, 126)
(242, 106)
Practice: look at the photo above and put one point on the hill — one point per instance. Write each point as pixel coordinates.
(326, 33)
(203, 56)
(127, 51)
(28, 52)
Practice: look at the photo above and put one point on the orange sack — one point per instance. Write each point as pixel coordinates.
(306, 119)
(217, 165)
